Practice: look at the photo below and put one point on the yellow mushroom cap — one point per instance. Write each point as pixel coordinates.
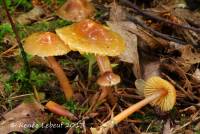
(88, 36)
(165, 102)
(45, 44)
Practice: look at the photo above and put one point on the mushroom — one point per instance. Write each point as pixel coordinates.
(76, 10)
(157, 92)
(88, 36)
(47, 44)
(60, 110)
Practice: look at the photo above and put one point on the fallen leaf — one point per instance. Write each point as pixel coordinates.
(151, 69)
(131, 52)
(29, 17)
(117, 13)
(196, 75)
(167, 128)
(189, 55)
(24, 116)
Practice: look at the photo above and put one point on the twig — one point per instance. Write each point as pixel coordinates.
(20, 96)
(164, 36)
(110, 112)
(129, 4)
(8, 50)
(26, 65)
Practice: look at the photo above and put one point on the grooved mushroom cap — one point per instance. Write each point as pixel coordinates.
(88, 36)
(76, 10)
(45, 44)
(108, 79)
(165, 102)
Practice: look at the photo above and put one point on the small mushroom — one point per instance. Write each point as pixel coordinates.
(60, 110)
(47, 44)
(76, 10)
(157, 92)
(88, 36)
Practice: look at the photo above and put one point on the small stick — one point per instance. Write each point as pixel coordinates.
(24, 56)
(164, 36)
(129, 4)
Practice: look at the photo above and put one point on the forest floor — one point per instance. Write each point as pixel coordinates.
(162, 38)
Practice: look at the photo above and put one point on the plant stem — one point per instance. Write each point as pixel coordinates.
(24, 56)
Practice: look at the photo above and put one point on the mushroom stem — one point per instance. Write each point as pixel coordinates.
(64, 82)
(104, 64)
(124, 114)
(60, 110)
(107, 78)
(105, 91)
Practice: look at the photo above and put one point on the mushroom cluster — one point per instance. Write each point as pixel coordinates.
(88, 36)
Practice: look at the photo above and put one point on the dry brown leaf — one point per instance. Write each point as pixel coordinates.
(29, 17)
(117, 13)
(167, 128)
(131, 52)
(189, 55)
(24, 116)
(151, 69)
(196, 75)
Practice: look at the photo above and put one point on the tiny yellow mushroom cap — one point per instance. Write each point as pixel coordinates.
(165, 102)
(88, 36)
(45, 44)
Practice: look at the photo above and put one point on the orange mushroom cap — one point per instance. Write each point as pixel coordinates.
(45, 44)
(76, 10)
(108, 79)
(88, 36)
(165, 102)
